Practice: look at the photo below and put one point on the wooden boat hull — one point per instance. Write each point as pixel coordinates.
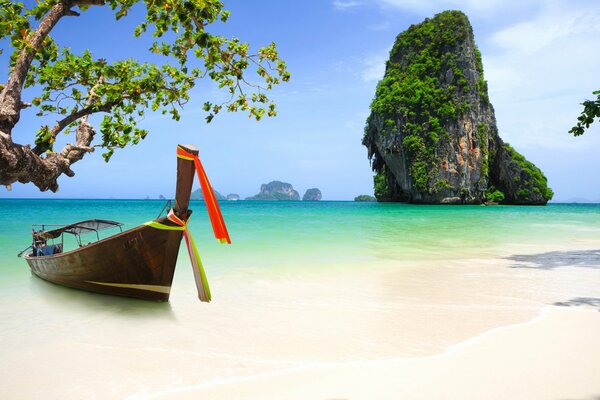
(136, 263)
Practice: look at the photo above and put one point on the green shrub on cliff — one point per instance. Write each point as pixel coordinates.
(494, 195)
(540, 182)
(381, 185)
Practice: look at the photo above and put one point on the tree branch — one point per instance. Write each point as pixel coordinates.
(63, 123)
(10, 97)
(19, 164)
(83, 140)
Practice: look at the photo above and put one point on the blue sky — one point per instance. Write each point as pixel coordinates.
(540, 60)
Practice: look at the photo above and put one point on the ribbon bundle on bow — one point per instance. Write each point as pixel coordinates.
(216, 220)
(197, 267)
(199, 274)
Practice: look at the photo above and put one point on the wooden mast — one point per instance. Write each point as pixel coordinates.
(185, 180)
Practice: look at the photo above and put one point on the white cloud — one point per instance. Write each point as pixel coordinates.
(374, 66)
(380, 26)
(539, 71)
(345, 5)
(555, 23)
(469, 6)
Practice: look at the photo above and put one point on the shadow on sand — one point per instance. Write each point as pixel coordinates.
(556, 259)
(588, 302)
(64, 297)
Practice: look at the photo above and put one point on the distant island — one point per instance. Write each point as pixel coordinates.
(276, 190)
(313, 194)
(432, 135)
(233, 196)
(365, 197)
(198, 195)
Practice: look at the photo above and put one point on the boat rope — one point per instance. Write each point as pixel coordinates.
(199, 274)
(216, 218)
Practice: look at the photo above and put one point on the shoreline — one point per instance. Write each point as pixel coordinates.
(439, 376)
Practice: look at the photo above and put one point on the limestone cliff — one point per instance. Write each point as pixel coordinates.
(432, 135)
(276, 190)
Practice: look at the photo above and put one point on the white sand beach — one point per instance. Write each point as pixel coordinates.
(472, 328)
(554, 356)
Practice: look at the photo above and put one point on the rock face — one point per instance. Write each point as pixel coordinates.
(432, 135)
(313, 194)
(198, 195)
(276, 190)
(233, 196)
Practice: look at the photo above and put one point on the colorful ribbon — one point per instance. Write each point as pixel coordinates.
(199, 274)
(216, 218)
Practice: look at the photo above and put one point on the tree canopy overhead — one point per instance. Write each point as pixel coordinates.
(73, 87)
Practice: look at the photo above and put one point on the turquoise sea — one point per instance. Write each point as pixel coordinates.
(279, 238)
(314, 235)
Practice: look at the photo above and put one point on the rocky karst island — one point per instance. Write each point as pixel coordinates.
(198, 195)
(276, 190)
(432, 135)
(313, 194)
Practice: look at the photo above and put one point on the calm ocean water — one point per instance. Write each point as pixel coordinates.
(275, 236)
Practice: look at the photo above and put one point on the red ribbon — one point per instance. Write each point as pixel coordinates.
(212, 206)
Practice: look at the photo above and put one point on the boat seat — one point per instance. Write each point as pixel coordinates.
(48, 250)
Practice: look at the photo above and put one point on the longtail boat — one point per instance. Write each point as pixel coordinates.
(139, 262)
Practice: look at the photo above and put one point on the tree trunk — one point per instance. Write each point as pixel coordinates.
(19, 163)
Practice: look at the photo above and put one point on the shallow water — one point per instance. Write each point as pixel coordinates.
(316, 234)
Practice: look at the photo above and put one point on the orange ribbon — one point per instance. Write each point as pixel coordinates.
(216, 218)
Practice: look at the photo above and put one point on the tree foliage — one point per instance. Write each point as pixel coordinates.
(591, 111)
(75, 86)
